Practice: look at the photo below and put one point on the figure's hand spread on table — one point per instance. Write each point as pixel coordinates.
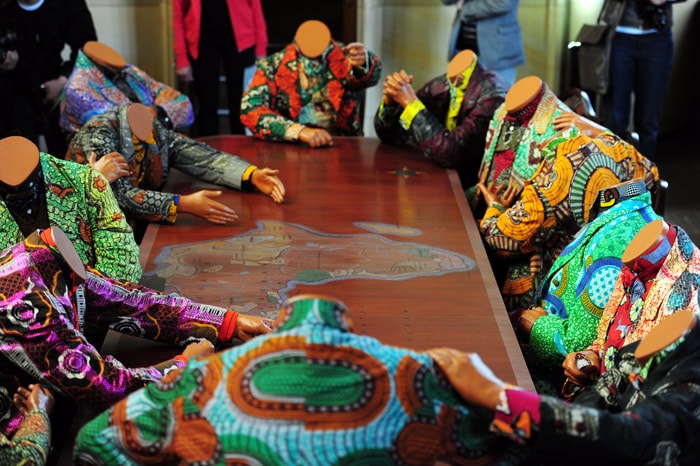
(202, 205)
(248, 326)
(315, 137)
(267, 182)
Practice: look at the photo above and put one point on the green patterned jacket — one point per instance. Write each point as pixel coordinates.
(80, 201)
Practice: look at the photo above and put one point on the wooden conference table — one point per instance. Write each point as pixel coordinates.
(377, 226)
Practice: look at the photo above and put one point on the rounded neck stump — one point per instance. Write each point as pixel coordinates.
(644, 241)
(104, 55)
(312, 38)
(462, 61)
(140, 120)
(522, 93)
(20, 157)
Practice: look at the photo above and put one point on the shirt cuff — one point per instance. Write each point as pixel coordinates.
(517, 414)
(410, 112)
(292, 133)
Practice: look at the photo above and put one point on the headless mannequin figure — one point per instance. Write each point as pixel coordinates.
(312, 39)
(20, 177)
(104, 55)
(650, 245)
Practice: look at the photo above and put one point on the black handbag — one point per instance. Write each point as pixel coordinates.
(594, 50)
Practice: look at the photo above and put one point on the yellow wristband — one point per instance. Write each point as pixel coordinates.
(248, 172)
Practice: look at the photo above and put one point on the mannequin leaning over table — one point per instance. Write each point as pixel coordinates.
(102, 79)
(310, 91)
(312, 389)
(51, 304)
(571, 298)
(447, 118)
(651, 420)
(38, 190)
(660, 276)
(524, 131)
(524, 234)
(151, 149)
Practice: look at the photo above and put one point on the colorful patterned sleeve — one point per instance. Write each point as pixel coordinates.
(257, 111)
(116, 251)
(367, 76)
(135, 309)
(449, 148)
(30, 445)
(203, 162)
(176, 104)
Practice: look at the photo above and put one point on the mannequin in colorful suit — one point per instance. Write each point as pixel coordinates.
(447, 118)
(310, 90)
(311, 392)
(575, 291)
(525, 238)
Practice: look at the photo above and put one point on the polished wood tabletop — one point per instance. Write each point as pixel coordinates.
(379, 227)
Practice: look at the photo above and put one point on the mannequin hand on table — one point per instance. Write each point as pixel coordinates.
(398, 88)
(113, 166)
(267, 182)
(469, 375)
(202, 205)
(315, 137)
(248, 326)
(528, 317)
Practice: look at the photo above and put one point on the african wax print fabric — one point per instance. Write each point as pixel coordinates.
(309, 393)
(578, 285)
(80, 201)
(138, 195)
(30, 444)
(44, 321)
(461, 148)
(532, 144)
(275, 97)
(624, 419)
(91, 90)
(528, 236)
(675, 288)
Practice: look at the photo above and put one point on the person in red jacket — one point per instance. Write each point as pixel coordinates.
(205, 35)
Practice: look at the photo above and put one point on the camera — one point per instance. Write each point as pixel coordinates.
(8, 41)
(654, 15)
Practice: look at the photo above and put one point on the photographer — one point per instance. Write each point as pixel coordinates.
(33, 72)
(640, 64)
